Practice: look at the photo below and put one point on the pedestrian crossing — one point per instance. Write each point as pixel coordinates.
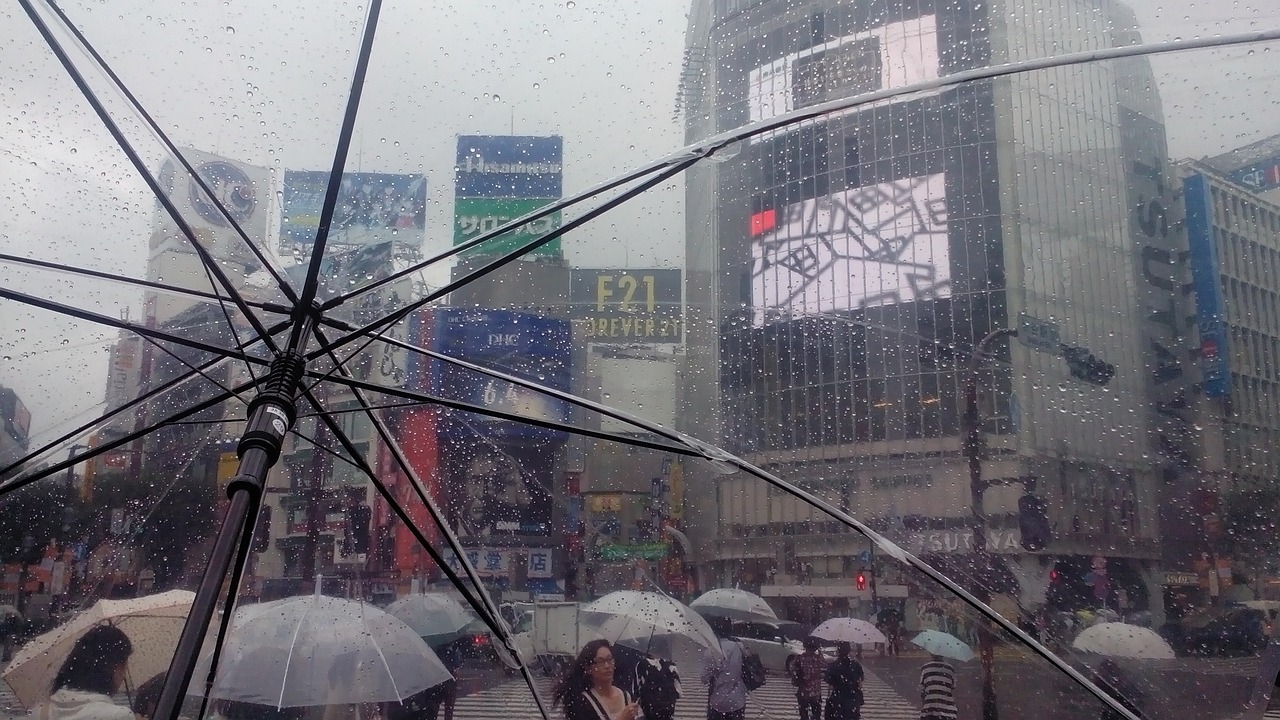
(775, 701)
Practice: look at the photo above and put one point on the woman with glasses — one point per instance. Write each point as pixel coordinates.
(586, 688)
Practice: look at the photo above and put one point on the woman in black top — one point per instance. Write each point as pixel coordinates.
(586, 687)
(845, 678)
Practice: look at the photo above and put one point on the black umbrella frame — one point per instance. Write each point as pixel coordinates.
(292, 362)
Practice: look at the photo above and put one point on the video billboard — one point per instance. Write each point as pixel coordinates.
(895, 54)
(498, 473)
(372, 208)
(880, 244)
(500, 178)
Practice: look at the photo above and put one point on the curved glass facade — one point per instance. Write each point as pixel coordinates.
(847, 269)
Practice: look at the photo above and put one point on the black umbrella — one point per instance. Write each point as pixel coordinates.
(283, 341)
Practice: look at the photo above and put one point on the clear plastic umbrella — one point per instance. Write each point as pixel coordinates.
(734, 603)
(850, 630)
(936, 642)
(652, 623)
(320, 650)
(436, 617)
(1123, 640)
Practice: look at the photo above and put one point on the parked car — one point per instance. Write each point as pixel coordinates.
(775, 641)
(1234, 632)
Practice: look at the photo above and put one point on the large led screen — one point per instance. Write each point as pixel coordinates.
(876, 245)
(894, 55)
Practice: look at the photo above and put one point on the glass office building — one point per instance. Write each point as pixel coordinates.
(842, 271)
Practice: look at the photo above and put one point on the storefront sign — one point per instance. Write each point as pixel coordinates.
(961, 541)
(638, 551)
(1181, 578)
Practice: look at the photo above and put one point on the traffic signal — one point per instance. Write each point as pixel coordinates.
(1033, 522)
(861, 580)
(1084, 366)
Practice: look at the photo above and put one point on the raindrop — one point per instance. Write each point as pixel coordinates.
(230, 30)
(571, 4)
(551, 59)
(536, 86)
(497, 98)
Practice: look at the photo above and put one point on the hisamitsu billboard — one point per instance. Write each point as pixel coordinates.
(509, 166)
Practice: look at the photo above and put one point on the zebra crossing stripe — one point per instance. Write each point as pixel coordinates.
(775, 701)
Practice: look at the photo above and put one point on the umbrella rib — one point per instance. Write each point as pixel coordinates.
(193, 368)
(483, 410)
(470, 277)
(364, 622)
(188, 292)
(706, 148)
(173, 150)
(341, 436)
(490, 609)
(895, 551)
(119, 324)
(135, 159)
(141, 399)
(58, 467)
(485, 237)
(568, 397)
(312, 282)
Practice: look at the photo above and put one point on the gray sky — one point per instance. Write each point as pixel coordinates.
(266, 85)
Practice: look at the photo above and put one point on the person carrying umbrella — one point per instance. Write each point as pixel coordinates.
(938, 690)
(657, 687)
(845, 678)
(807, 671)
(586, 688)
(93, 672)
(727, 694)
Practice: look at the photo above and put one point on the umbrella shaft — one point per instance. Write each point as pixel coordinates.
(206, 602)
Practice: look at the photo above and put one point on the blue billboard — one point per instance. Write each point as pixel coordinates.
(509, 166)
(1260, 176)
(371, 207)
(527, 346)
(1206, 281)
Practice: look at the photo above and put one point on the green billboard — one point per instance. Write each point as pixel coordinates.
(473, 217)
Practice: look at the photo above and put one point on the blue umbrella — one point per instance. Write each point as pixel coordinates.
(936, 642)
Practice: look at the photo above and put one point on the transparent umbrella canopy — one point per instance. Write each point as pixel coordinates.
(964, 311)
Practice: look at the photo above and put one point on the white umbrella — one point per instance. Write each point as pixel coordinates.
(850, 630)
(734, 603)
(320, 650)
(432, 615)
(651, 623)
(152, 623)
(936, 642)
(1123, 640)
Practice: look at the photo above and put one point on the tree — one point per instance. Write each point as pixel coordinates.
(30, 518)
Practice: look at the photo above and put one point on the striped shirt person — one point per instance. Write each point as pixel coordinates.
(937, 690)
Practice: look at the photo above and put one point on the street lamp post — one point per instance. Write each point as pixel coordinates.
(973, 445)
(1083, 366)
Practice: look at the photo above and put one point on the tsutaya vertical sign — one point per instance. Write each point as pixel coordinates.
(501, 178)
(1210, 313)
(1160, 269)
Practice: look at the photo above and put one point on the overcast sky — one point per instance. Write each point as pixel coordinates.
(266, 84)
